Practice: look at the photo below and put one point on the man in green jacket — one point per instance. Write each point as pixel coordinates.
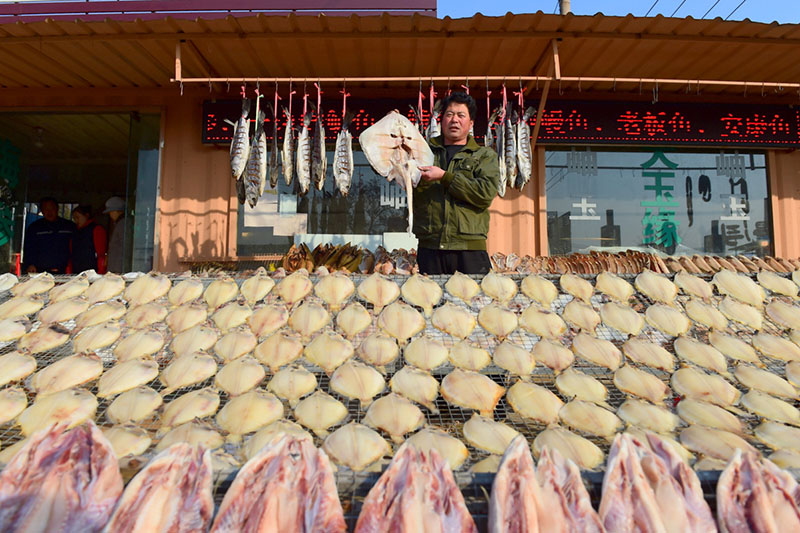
(451, 202)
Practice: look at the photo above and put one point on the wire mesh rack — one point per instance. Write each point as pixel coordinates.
(353, 486)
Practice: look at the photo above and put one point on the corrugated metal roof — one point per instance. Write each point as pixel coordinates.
(141, 53)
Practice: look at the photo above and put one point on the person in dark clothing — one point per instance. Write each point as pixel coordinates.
(89, 243)
(452, 199)
(115, 209)
(47, 241)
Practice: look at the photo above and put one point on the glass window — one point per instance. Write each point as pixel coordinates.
(679, 202)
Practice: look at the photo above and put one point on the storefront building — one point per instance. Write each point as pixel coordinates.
(678, 134)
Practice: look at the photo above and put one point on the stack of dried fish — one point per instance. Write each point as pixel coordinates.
(340, 257)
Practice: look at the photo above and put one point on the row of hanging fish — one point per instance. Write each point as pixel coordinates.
(512, 142)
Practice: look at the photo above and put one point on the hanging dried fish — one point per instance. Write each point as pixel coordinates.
(434, 129)
(319, 161)
(304, 154)
(287, 153)
(343, 157)
(524, 154)
(255, 177)
(240, 145)
(488, 140)
(510, 145)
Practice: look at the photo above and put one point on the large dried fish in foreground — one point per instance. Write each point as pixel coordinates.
(499, 287)
(471, 390)
(172, 493)
(186, 370)
(488, 435)
(292, 383)
(240, 375)
(462, 287)
(534, 402)
(701, 354)
(667, 319)
(334, 289)
(356, 446)
(771, 408)
(319, 412)
(741, 312)
(774, 347)
(540, 290)
(420, 291)
(353, 319)
(401, 321)
(196, 404)
(417, 492)
(43, 339)
(553, 355)
(35, 284)
(450, 448)
(12, 402)
(692, 383)
(649, 354)
(782, 313)
(357, 381)
(147, 288)
(395, 415)
(248, 413)
(543, 323)
(66, 373)
(453, 320)
(219, 292)
(706, 314)
(266, 494)
(77, 469)
(640, 383)
(733, 347)
(378, 290)
(15, 366)
(278, 350)
(138, 343)
(622, 318)
(590, 418)
(740, 287)
(134, 405)
(514, 358)
(709, 415)
(598, 351)
(577, 449)
(69, 407)
(581, 315)
(657, 287)
(185, 291)
(425, 353)
(694, 286)
(105, 288)
(758, 379)
(126, 376)
(574, 384)
(416, 385)
(715, 443)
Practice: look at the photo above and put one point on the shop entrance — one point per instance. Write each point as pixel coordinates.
(80, 159)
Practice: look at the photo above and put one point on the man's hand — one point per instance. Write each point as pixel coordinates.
(432, 173)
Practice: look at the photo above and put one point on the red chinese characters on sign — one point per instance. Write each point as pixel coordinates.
(755, 125)
(647, 124)
(559, 122)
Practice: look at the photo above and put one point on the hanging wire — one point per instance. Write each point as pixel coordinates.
(709, 9)
(677, 8)
(651, 8)
(735, 9)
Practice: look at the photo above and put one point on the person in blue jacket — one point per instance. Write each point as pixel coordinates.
(47, 241)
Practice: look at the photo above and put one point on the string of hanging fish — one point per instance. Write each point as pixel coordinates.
(394, 146)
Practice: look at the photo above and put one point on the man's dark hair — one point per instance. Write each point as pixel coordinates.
(46, 199)
(85, 210)
(461, 98)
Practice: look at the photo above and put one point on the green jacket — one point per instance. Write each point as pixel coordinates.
(453, 213)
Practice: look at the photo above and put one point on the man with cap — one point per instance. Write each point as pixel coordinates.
(47, 240)
(115, 209)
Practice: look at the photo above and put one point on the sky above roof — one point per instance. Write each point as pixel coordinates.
(784, 11)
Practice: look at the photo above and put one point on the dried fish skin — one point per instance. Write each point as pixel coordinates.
(416, 385)
(66, 373)
(309, 318)
(581, 315)
(395, 415)
(694, 285)
(268, 319)
(69, 407)
(109, 286)
(172, 493)
(540, 290)
(240, 375)
(578, 287)
(138, 343)
(335, 289)
(125, 376)
(645, 436)
(648, 354)
(248, 413)
(733, 347)
(740, 287)
(534, 402)
(231, 315)
(69, 290)
(219, 292)
(133, 406)
(401, 321)
(545, 324)
(581, 451)
(695, 384)
(127, 441)
(12, 329)
(462, 287)
(146, 289)
(356, 446)
(185, 291)
(16, 366)
(553, 355)
(792, 370)
(640, 383)
(614, 287)
(187, 316)
(598, 351)
(514, 358)
(276, 430)
(97, 337)
(701, 354)
(423, 292)
(741, 313)
(706, 314)
(378, 290)
(97, 314)
(194, 339)
(518, 501)
(13, 401)
(782, 313)
(292, 383)
(279, 349)
(657, 287)
(709, 415)
(63, 310)
(573, 384)
(187, 370)
(764, 381)
(777, 284)
(7, 281)
(667, 320)
(450, 448)
(186, 407)
(771, 408)
(454, 320)
(778, 436)
(773, 346)
(294, 287)
(35, 284)
(590, 418)
(20, 306)
(425, 353)
(319, 412)
(257, 287)
(469, 357)
(622, 318)
(378, 349)
(193, 434)
(471, 390)
(487, 435)
(357, 381)
(499, 287)
(353, 319)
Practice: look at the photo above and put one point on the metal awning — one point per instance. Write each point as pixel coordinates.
(597, 49)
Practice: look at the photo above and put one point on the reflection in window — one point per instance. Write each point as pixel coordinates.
(678, 202)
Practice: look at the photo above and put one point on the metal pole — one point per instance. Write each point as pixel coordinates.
(565, 7)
